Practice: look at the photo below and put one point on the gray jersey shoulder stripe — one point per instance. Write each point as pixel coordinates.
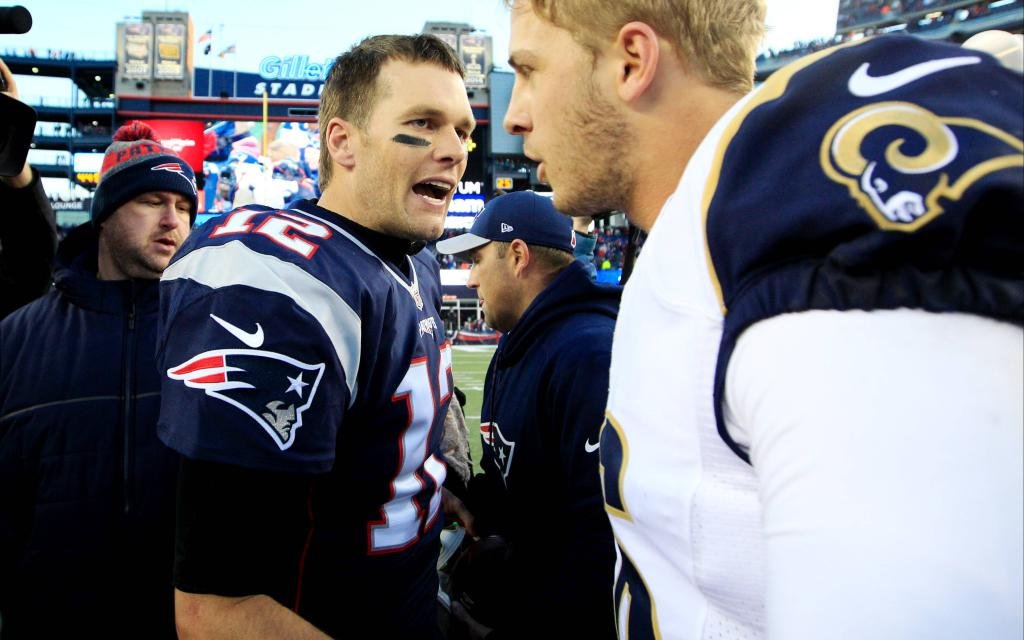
(234, 263)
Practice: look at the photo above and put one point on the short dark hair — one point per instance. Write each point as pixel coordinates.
(549, 259)
(351, 89)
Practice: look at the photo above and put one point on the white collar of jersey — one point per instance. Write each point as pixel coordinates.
(413, 288)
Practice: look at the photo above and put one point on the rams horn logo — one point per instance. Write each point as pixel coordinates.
(267, 386)
(899, 181)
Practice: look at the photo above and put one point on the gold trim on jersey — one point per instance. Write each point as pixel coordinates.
(622, 626)
(624, 513)
(773, 88)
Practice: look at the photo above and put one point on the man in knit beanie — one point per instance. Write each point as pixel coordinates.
(87, 511)
(138, 177)
(135, 163)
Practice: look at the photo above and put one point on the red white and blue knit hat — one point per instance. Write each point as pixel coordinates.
(137, 163)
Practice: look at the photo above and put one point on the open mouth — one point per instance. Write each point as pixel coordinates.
(171, 244)
(433, 189)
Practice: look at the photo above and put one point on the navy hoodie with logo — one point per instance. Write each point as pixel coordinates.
(543, 406)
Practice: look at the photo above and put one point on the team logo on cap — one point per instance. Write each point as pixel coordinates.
(505, 227)
(174, 167)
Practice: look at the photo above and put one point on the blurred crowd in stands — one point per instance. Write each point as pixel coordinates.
(877, 15)
(609, 252)
(236, 172)
(855, 12)
(50, 54)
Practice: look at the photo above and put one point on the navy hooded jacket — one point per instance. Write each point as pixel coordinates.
(86, 489)
(543, 407)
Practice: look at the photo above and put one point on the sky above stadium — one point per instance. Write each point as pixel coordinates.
(317, 28)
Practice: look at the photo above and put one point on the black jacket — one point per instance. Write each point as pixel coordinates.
(28, 239)
(86, 489)
(543, 406)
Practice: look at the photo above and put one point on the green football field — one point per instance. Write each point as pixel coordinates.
(469, 367)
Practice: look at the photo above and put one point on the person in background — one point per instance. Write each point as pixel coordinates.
(543, 402)
(87, 499)
(586, 243)
(28, 232)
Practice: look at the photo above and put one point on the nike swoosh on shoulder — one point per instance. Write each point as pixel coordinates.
(252, 340)
(591, 448)
(863, 85)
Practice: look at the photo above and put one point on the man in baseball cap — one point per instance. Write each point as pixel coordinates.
(523, 215)
(543, 406)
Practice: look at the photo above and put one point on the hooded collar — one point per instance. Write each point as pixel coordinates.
(571, 292)
(75, 276)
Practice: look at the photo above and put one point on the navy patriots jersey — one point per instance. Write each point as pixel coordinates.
(288, 345)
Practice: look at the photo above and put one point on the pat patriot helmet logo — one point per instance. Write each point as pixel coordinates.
(898, 159)
(271, 388)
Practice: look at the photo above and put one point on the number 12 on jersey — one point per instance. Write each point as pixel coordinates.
(402, 518)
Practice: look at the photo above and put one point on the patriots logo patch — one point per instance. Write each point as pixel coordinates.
(174, 167)
(271, 388)
(502, 448)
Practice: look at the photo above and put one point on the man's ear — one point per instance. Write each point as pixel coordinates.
(520, 255)
(341, 142)
(637, 52)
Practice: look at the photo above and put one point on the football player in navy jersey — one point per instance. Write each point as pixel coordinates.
(814, 422)
(307, 373)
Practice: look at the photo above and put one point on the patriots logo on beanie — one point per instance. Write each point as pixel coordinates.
(176, 168)
(136, 163)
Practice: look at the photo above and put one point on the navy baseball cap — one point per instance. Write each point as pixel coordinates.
(525, 215)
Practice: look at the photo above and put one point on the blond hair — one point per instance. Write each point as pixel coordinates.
(351, 90)
(717, 38)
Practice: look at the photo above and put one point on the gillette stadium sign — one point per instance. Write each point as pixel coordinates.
(292, 77)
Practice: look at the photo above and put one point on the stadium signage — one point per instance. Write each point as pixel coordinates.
(292, 76)
(466, 205)
(289, 89)
(74, 205)
(294, 68)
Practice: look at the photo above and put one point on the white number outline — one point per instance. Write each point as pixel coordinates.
(402, 521)
(277, 227)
